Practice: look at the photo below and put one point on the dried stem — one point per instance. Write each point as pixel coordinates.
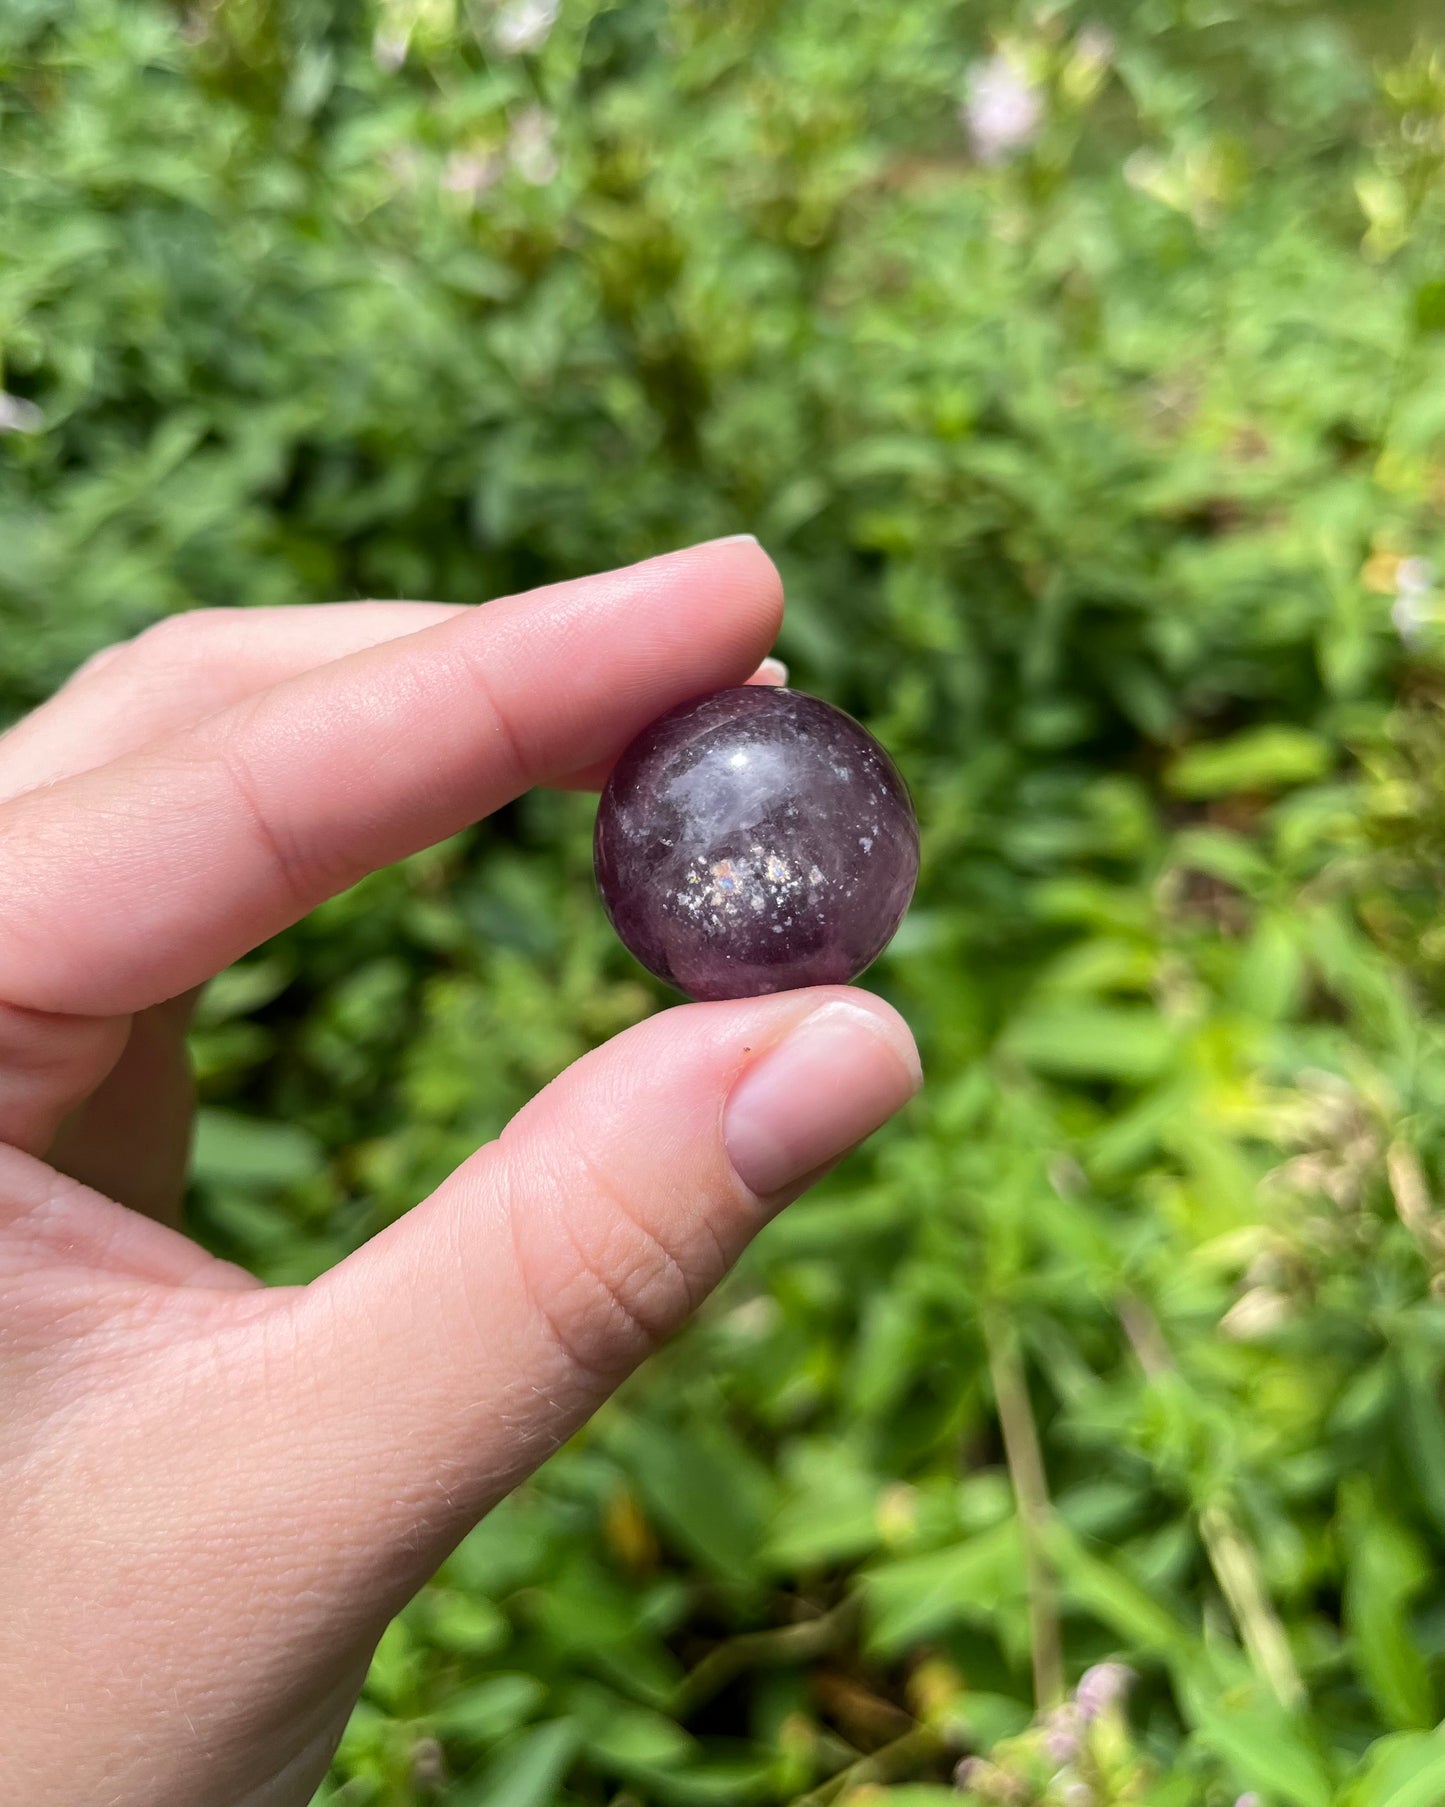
(1416, 1211)
(1030, 1484)
(1236, 1569)
(1232, 1557)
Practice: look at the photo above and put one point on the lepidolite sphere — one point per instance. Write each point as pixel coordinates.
(755, 840)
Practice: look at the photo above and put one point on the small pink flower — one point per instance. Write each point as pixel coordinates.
(1102, 1687)
(1061, 1734)
(1002, 111)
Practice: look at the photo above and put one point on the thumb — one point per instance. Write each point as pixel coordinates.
(458, 1348)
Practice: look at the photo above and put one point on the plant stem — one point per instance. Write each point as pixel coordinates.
(888, 1761)
(1030, 1484)
(1232, 1557)
(759, 1649)
(1236, 1569)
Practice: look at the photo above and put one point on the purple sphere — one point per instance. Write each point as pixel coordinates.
(755, 840)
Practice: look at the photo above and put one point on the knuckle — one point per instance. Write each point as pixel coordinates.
(606, 1288)
(175, 641)
(181, 630)
(223, 751)
(97, 662)
(518, 764)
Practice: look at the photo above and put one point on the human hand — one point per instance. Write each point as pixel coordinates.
(216, 1493)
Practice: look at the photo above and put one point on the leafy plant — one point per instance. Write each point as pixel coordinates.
(1084, 368)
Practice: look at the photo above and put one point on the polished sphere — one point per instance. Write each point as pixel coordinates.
(755, 840)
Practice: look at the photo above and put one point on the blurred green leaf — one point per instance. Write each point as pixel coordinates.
(1405, 1771)
(1266, 1750)
(1261, 759)
(706, 1488)
(1102, 463)
(232, 1150)
(920, 1595)
(1084, 1041)
(487, 1711)
(526, 1772)
(1387, 1570)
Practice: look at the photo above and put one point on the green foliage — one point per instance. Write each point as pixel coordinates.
(1103, 474)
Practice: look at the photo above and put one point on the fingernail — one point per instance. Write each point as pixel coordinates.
(731, 539)
(832, 1081)
(772, 671)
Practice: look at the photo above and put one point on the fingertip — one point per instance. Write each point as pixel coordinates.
(888, 1022)
(686, 622)
(834, 1077)
(786, 1083)
(744, 574)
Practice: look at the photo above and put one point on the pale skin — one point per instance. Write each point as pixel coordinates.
(217, 1493)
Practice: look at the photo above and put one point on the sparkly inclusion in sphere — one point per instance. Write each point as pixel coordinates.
(755, 840)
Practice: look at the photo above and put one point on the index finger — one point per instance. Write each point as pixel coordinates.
(128, 884)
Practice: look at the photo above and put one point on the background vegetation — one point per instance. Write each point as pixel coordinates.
(1084, 367)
